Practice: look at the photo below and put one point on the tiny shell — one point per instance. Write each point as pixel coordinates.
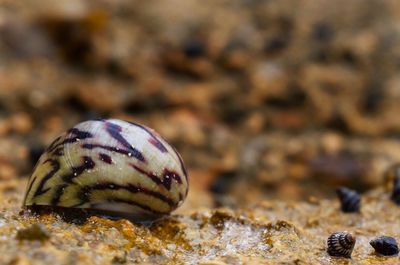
(385, 245)
(390, 175)
(395, 197)
(341, 244)
(120, 168)
(349, 200)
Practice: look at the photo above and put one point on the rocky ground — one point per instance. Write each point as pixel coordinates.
(267, 232)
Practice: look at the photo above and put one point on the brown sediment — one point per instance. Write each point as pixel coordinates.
(268, 232)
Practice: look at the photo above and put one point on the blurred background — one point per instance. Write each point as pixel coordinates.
(264, 99)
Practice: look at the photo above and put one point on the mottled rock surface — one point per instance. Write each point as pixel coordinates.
(269, 232)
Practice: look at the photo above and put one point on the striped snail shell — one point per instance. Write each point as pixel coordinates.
(341, 244)
(112, 166)
(349, 200)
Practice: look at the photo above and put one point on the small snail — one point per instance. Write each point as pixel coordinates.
(395, 197)
(349, 200)
(341, 244)
(385, 245)
(390, 174)
(113, 167)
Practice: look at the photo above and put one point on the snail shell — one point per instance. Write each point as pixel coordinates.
(341, 244)
(392, 182)
(385, 245)
(121, 168)
(349, 200)
(390, 175)
(395, 197)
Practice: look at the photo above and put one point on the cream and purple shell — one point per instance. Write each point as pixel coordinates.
(113, 166)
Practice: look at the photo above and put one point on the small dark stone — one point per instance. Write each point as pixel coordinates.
(373, 97)
(33, 232)
(292, 100)
(338, 122)
(349, 199)
(322, 32)
(115, 69)
(75, 103)
(276, 44)
(385, 245)
(223, 182)
(194, 49)
(349, 57)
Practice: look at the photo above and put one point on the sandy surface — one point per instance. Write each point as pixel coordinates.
(271, 232)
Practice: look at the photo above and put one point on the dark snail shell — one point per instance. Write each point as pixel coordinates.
(341, 244)
(349, 200)
(392, 182)
(395, 197)
(385, 245)
(111, 166)
(390, 174)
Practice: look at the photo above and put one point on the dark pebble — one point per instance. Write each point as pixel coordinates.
(223, 182)
(194, 49)
(322, 32)
(276, 44)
